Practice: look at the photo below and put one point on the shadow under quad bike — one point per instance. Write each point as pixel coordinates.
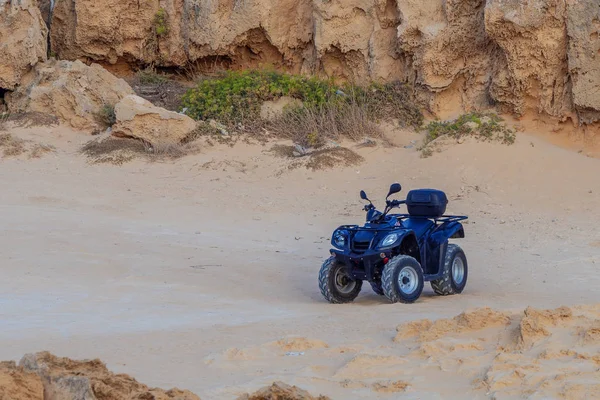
(397, 253)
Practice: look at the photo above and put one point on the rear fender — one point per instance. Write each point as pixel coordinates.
(437, 245)
(452, 230)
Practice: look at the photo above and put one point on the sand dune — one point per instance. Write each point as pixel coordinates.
(202, 273)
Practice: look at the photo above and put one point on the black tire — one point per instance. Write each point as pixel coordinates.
(377, 288)
(336, 285)
(412, 276)
(453, 281)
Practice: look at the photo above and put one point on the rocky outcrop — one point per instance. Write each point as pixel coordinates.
(72, 91)
(537, 56)
(280, 390)
(22, 40)
(449, 52)
(63, 378)
(176, 32)
(44, 376)
(104, 30)
(140, 119)
(583, 32)
(533, 69)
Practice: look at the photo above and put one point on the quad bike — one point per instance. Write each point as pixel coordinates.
(397, 253)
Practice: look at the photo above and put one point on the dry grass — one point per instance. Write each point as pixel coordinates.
(118, 151)
(3, 121)
(159, 89)
(39, 150)
(11, 146)
(14, 147)
(312, 127)
(325, 158)
(32, 118)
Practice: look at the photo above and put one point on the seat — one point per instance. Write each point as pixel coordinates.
(418, 225)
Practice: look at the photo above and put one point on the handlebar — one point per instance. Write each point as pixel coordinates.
(390, 204)
(396, 203)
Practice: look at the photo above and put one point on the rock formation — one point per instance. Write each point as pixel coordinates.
(72, 91)
(281, 391)
(63, 378)
(44, 376)
(458, 54)
(583, 33)
(22, 40)
(138, 118)
(533, 73)
(526, 57)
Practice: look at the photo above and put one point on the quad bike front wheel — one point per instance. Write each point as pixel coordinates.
(402, 279)
(336, 285)
(455, 272)
(376, 286)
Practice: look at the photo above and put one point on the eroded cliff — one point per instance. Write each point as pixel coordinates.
(535, 56)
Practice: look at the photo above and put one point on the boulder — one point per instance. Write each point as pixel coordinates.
(72, 91)
(23, 40)
(138, 118)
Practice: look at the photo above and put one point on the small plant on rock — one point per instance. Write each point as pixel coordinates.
(106, 116)
(161, 27)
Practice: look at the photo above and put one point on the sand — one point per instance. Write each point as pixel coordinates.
(202, 273)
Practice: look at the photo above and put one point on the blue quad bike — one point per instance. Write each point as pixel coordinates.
(397, 253)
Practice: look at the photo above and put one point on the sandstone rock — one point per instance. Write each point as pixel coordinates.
(535, 56)
(23, 43)
(583, 29)
(72, 91)
(104, 30)
(140, 119)
(281, 391)
(19, 384)
(533, 71)
(355, 40)
(450, 53)
(66, 379)
(248, 32)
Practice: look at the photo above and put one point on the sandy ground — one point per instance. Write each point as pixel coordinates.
(202, 274)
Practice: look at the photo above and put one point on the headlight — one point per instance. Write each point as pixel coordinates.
(339, 238)
(389, 240)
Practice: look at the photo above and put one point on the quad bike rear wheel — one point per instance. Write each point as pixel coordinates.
(337, 286)
(455, 272)
(402, 279)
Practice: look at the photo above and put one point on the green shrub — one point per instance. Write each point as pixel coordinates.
(483, 126)
(161, 27)
(236, 97)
